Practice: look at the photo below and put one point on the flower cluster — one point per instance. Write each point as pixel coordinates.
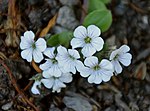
(61, 63)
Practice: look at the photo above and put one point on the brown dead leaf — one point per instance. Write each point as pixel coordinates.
(12, 24)
(116, 81)
(51, 23)
(36, 67)
(140, 72)
(2, 56)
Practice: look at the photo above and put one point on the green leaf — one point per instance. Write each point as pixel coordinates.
(53, 40)
(103, 53)
(106, 1)
(95, 5)
(63, 38)
(100, 18)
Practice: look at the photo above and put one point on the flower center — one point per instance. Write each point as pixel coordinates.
(54, 61)
(33, 46)
(71, 57)
(87, 40)
(55, 77)
(97, 67)
(116, 57)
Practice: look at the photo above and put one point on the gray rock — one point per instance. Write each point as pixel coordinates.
(66, 18)
(3, 5)
(69, 2)
(35, 17)
(77, 103)
(35, 2)
(7, 106)
(111, 108)
(58, 29)
(54, 109)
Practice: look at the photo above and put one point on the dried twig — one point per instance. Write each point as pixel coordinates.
(14, 83)
(84, 10)
(36, 67)
(136, 8)
(51, 23)
(28, 85)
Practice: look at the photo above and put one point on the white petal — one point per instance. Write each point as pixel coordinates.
(125, 59)
(93, 31)
(124, 48)
(58, 85)
(91, 61)
(37, 56)
(77, 42)
(27, 54)
(62, 51)
(49, 52)
(105, 78)
(98, 78)
(91, 78)
(24, 44)
(88, 50)
(69, 66)
(113, 54)
(29, 35)
(85, 72)
(107, 65)
(80, 32)
(79, 65)
(66, 77)
(58, 90)
(48, 83)
(74, 53)
(40, 44)
(106, 75)
(73, 70)
(46, 74)
(34, 88)
(117, 66)
(97, 43)
(46, 65)
(55, 71)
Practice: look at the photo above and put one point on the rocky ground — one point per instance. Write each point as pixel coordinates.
(129, 91)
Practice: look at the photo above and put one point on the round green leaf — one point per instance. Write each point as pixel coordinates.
(106, 1)
(95, 5)
(53, 40)
(100, 18)
(63, 38)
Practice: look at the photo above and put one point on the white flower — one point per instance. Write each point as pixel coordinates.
(68, 59)
(34, 88)
(120, 55)
(88, 39)
(32, 49)
(51, 66)
(97, 72)
(56, 83)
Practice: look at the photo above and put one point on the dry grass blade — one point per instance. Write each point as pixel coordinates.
(140, 72)
(2, 56)
(51, 23)
(36, 67)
